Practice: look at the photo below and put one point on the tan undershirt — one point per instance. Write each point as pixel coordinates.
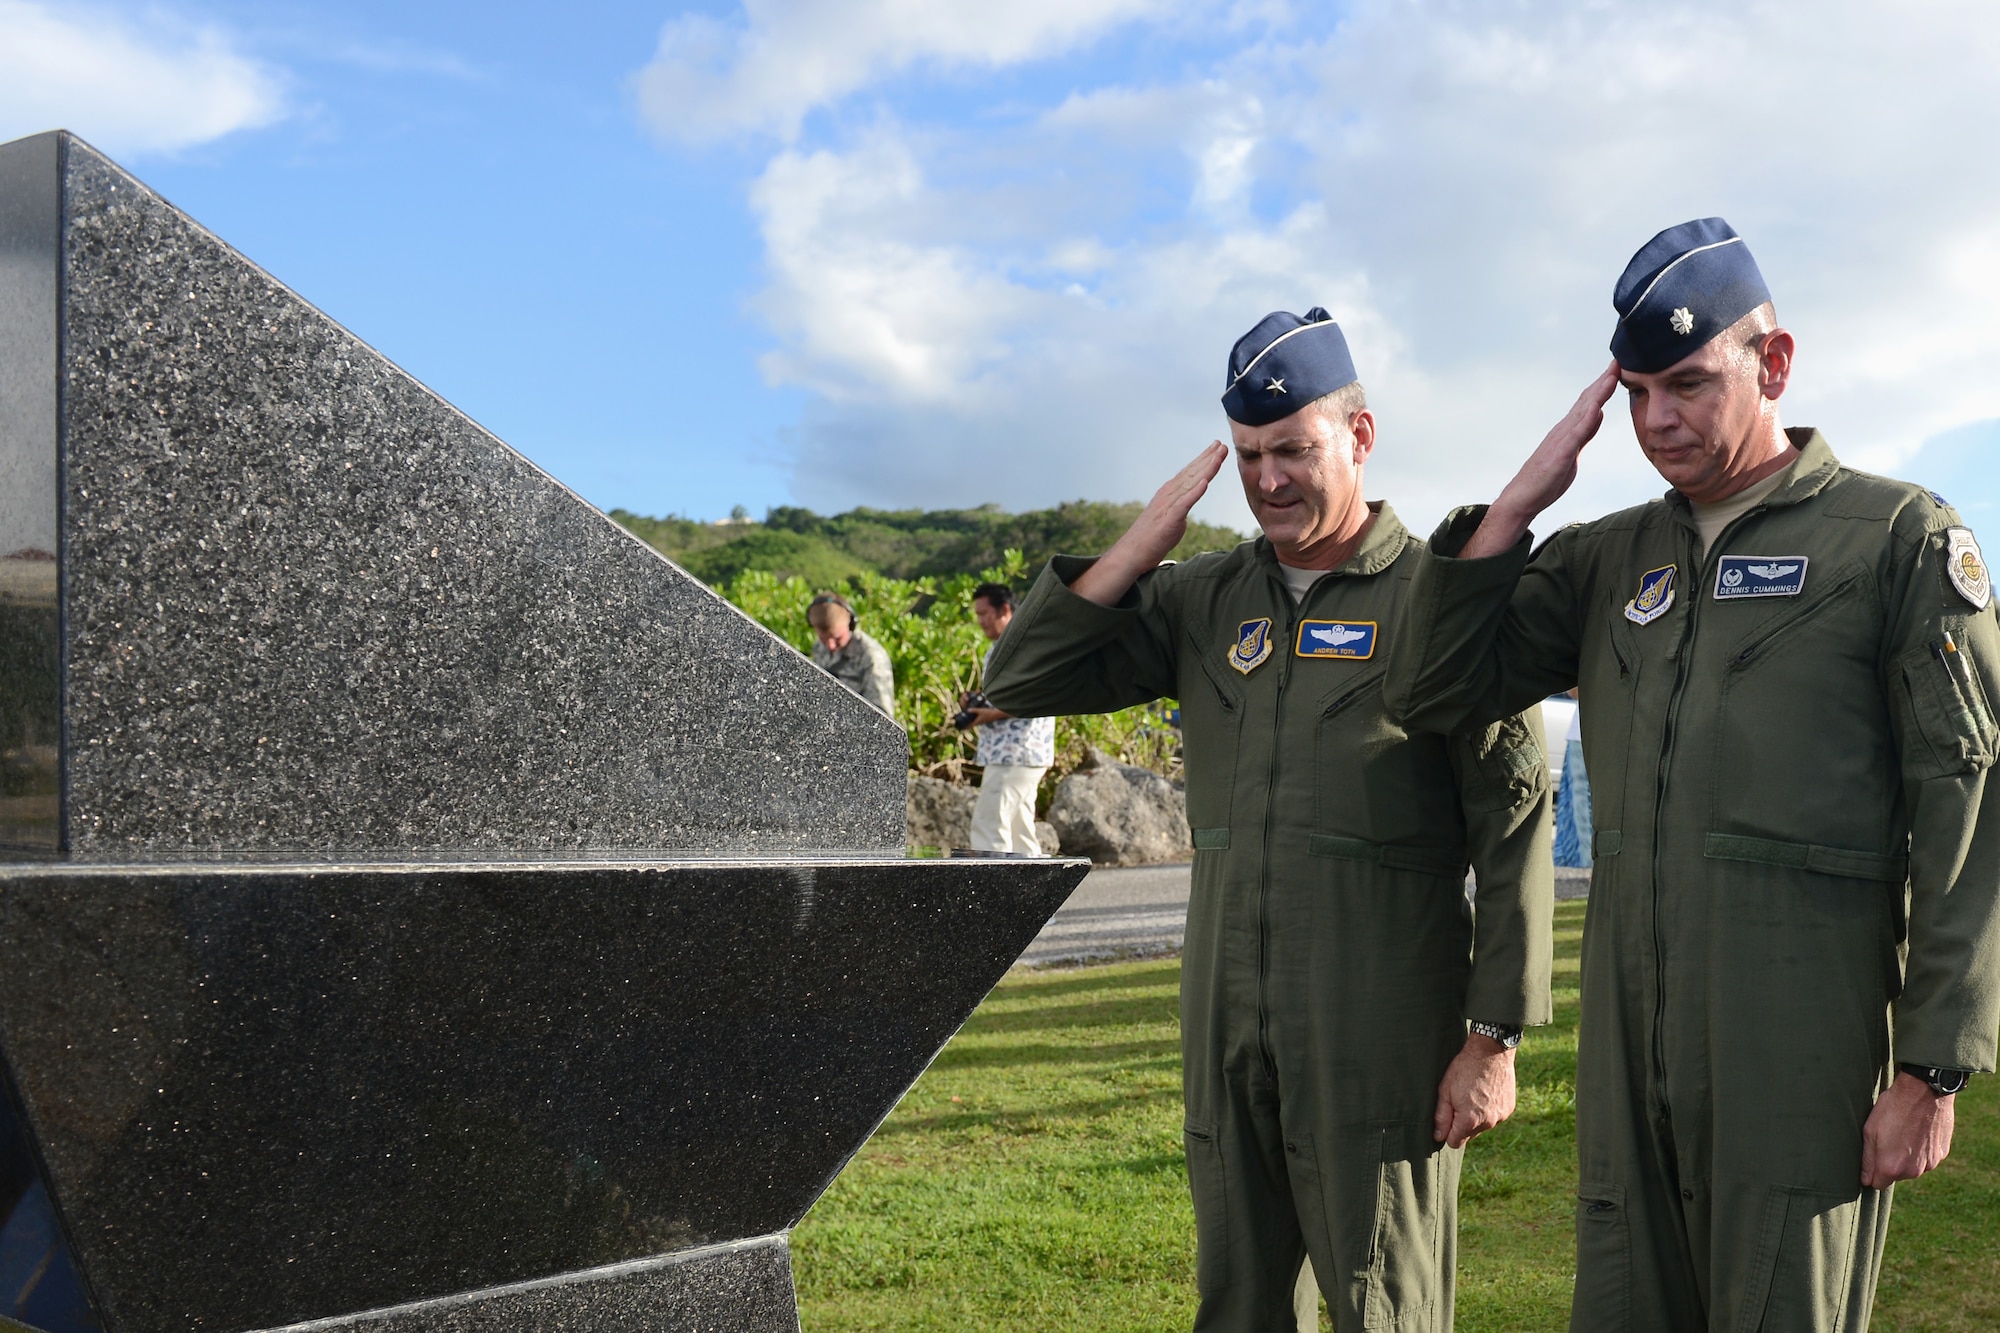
(1300, 581)
(1712, 519)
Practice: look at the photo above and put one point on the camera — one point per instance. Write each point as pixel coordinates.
(965, 718)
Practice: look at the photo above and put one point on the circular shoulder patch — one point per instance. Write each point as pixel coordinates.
(1966, 567)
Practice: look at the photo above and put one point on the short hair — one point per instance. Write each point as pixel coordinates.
(1762, 320)
(998, 594)
(816, 609)
(1341, 405)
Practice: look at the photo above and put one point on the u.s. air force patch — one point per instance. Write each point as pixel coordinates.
(1656, 595)
(1252, 646)
(1354, 639)
(1966, 567)
(1759, 576)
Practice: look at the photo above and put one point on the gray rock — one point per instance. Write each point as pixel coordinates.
(940, 813)
(941, 817)
(1120, 815)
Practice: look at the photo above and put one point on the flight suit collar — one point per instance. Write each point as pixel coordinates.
(1379, 549)
(1807, 476)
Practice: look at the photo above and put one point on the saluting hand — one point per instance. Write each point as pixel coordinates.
(1158, 530)
(1907, 1134)
(1548, 473)
(1477, 1091)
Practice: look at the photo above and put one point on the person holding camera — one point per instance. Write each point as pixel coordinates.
(848, 655)
(1015, 751)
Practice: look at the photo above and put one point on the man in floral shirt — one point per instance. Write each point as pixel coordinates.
(1015, 751)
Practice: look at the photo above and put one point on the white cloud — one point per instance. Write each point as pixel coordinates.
(712, 80)
(128, 88)
(1028, 311)
(865, 312)
(1506, 164)
(945, 375)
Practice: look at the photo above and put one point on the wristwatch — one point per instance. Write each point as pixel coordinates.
(1507, 1034)
(1943, 1082)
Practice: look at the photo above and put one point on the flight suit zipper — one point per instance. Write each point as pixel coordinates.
(1684, 656)
(1283, 646)
(1349, 697)
(1787, 624)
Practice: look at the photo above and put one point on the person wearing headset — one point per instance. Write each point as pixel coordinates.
(848, 655)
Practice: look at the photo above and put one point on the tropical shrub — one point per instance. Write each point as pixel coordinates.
(936, 648)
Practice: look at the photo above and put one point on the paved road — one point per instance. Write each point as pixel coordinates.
(1141, 912)
(1129, 912)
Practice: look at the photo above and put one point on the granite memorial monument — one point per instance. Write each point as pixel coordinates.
(423, 907)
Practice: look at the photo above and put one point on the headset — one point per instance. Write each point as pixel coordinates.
(833, 599)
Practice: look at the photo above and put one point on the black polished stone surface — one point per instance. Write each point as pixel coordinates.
(312, 610)
(359, 960)
(269, 1094)
(741, 1288)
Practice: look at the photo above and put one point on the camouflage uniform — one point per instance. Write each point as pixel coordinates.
(862, 665)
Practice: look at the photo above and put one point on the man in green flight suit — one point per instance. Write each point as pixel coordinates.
(1332, 959)
(1786, 673)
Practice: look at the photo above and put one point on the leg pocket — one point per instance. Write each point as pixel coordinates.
(1603, 1298)
(1409, 1257)
(1211, 1208)
(1816, 1260)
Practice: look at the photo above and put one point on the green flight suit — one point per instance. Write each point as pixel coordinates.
(1331, 957)
(1793, 864)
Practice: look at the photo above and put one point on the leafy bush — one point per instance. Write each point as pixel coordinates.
(783, 554)
(936, 648)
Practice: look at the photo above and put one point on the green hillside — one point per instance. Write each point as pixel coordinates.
(897, 543)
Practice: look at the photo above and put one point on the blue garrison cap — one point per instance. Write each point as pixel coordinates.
(1283, 364)
(1684, 286)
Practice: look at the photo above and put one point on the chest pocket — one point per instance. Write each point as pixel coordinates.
(1949, 714)
(1785, 709)
(1211, 732)
(1842, 615)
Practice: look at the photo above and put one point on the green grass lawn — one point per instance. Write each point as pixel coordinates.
(1033, 1180)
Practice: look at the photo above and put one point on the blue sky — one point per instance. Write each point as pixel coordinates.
(914, 252)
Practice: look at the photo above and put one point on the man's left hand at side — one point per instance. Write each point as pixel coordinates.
(1907, 1134)
(1477, 1091)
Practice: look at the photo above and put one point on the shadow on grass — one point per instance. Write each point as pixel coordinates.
(1098, 979)
(1083, 1013)
(1019, 1122)
(1009, 1054)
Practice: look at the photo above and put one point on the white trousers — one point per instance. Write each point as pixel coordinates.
(1003, 820)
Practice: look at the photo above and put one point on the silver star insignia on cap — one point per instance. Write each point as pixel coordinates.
(1682, 320)
(1276, 386)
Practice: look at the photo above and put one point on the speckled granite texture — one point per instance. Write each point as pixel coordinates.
(269, 1094)
(422, 908)
(743, 1288)
(312, 609)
